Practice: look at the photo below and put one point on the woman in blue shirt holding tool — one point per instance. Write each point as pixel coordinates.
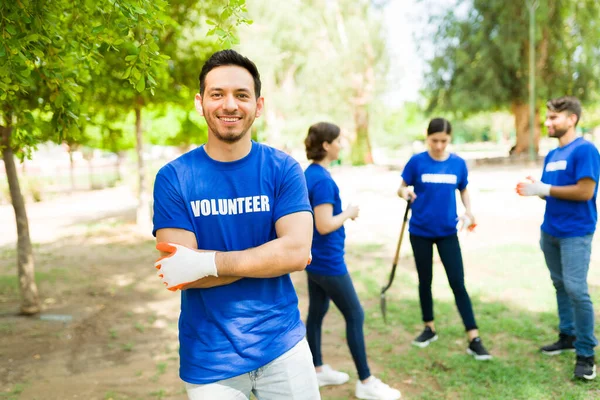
(328, 276)
(435, 175)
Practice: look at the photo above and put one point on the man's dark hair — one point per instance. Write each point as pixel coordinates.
(437, 125)
(229, 57)
(570, 104)
(318, 134)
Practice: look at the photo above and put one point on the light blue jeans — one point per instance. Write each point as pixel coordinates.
(291, 376)
(568, 260)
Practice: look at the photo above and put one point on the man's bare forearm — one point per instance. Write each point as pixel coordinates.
(275, 258)
(212, 281)
(572, 192)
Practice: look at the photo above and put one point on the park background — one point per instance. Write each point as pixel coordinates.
(96, 96)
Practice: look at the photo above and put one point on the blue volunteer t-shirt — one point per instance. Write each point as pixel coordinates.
(435, 183)
(327, 250)
(565, 166)
(233, 329)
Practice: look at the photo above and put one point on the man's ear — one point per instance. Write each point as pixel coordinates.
(573, 118)
(260, 104)
(198, 104)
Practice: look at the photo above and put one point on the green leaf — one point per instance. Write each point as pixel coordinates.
(130, 58)
(210, 22)
(26, 72)
(31, 38)
(141, 85)
(135, 73)
(11, 29)
(127, 73)
(59, 100)
(226, 14)
(97, 29)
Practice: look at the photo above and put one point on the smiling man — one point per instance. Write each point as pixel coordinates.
(232, 219)
(569, 185)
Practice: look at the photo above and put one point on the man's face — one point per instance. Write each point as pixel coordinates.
(558, 123)
(229, 104)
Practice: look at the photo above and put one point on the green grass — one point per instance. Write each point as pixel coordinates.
(127, 346)
(444, 371)
(14, 392)
(516, 314)
(159, 394)
(9, 284)
(113, 333)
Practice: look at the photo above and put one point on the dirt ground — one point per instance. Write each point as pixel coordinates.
(109, 330)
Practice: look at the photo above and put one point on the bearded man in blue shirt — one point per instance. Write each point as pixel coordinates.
(569, 185)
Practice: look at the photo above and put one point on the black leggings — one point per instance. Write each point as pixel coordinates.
(449, 251)
(339, 289)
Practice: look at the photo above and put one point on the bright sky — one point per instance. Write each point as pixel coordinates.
(405, 19)
(406, 66)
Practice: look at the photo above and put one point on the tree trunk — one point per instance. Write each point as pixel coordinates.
(91, 171)
(361, 149)
(118, 166)
(521, 113)
(30, 301)
(143, 208)
(71, 169)
(364, 84)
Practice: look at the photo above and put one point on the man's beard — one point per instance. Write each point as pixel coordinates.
(230, 138)
(558, 133)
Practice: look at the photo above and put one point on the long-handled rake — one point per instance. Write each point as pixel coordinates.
(396, 256)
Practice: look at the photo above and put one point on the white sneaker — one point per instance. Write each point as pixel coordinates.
(374, 389)
(329, 376)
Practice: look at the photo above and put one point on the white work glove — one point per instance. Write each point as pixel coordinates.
(531, 187)
(183, 265)
(466, 223)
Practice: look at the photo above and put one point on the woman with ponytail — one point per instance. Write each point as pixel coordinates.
(328, 277)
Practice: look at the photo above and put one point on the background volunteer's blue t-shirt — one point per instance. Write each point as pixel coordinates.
(327, 250)
(233, 329)
(565, 166)
(435, 183)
